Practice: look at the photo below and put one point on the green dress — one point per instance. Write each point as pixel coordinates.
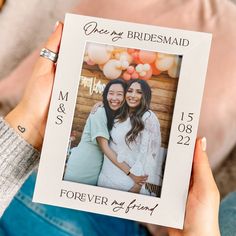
(85, 161)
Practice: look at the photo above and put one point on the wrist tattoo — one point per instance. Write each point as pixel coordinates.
(21, 129)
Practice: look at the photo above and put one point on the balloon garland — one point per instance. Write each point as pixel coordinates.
(130, 63)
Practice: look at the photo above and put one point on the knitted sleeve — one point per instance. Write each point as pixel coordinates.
(17, 159)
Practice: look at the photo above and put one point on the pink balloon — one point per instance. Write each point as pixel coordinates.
(90, 62)
(147, 56)
(135, 75)
(130, 69)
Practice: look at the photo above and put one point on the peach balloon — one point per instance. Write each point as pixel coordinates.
(99, 53)
(110, 69)
(147, 56)
(173, 71)
(126, 76)
(155, 71)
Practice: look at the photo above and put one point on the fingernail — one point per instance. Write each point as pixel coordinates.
(55, 26)
(204, 144)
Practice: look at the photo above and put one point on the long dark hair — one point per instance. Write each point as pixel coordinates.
(137, 124)
(111, 115)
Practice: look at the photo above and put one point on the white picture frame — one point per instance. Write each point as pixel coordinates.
(169, 208)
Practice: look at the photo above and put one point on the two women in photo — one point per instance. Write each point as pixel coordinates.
(121, 141)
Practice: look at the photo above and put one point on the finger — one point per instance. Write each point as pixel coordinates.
(142, 179)
(202, 174)
(53, 42)
(45, 65)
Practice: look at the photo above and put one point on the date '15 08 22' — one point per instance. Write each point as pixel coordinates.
(185, 128)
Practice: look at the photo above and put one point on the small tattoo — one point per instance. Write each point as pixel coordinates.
(21, 129)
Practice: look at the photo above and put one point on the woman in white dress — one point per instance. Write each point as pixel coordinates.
(136, 138)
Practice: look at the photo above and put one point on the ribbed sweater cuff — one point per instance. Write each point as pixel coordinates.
(17, 159)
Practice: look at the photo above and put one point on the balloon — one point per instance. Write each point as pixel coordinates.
(146, 67)
(134, 75)
(155, 71)
(131, 50)
(135, 55)
(148, 75)
(136, 59)
(110, 69)
(124, 65)
(175, 69)
(164, 61)
(124, 56)
(173, 72)
(118, 64)
(139, 68)
(130, 73)
(90, 62)
(86, 57)
(142, 73)
(126, 76)
(130, 69)
(109, 48)
(147, 56)
(99, 53)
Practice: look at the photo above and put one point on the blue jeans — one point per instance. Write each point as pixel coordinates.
(25, 218)
(228, 215)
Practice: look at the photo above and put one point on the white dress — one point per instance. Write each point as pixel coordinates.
(141, 156)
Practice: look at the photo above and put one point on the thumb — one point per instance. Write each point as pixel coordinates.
(202, 176)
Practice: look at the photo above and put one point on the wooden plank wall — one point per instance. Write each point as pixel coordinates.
(163, 99)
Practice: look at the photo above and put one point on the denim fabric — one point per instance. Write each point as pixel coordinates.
(228, 215)
(25, 218)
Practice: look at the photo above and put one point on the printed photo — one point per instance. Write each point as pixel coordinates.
(122, 119)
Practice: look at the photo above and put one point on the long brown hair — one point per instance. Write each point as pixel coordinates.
(137, 124)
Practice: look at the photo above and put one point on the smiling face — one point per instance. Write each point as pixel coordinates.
(134, 95)
(115, 96)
